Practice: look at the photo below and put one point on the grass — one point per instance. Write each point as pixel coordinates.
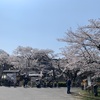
(90, 95)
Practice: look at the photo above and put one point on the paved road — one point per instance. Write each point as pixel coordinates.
(21, 93)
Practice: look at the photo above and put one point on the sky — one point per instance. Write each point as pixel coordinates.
(39, 23)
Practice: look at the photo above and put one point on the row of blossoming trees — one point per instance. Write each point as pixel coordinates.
(30, 60)
(81, 54)
(83, 49)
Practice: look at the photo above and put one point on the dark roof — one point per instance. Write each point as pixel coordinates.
(10, 71)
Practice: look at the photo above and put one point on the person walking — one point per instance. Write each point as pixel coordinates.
(85, 83)
(82, 85)
(26, 79)
(68, 85)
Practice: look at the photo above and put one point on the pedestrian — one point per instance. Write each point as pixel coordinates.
(85, 83)
(26, 79)
(82, 85)
(68, 85)
(95, 89)
(17, 80)
(38, 84)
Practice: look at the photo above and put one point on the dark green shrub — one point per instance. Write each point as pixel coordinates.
(61, 84)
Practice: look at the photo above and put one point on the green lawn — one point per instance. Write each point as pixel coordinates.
(90, 95)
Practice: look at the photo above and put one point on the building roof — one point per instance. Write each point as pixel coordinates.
(11, 71)
(35, 75)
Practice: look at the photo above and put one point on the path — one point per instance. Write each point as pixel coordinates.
(21, 93)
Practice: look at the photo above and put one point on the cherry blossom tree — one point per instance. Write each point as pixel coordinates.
(4, 61)
(83, 46)
(29, 58)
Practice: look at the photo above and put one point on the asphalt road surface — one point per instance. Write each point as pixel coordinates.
(20, 93)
